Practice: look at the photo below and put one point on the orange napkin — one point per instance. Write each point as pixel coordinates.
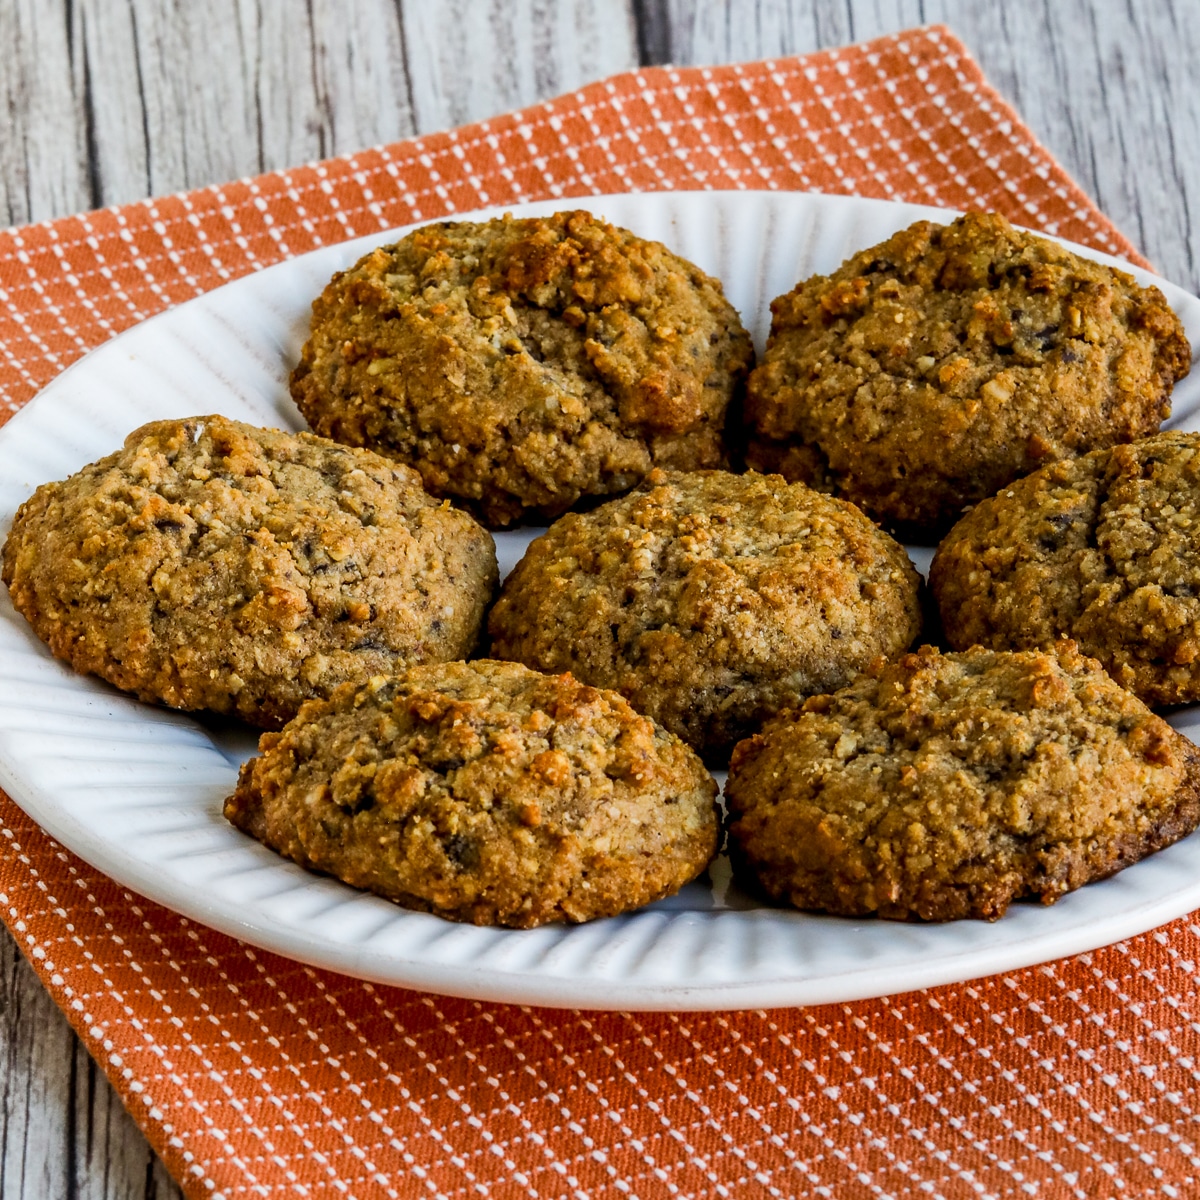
(253, 1075)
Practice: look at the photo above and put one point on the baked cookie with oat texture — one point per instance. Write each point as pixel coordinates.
(933, 369)
(1104, 549)
(940, 786)
(483, 792)
(209, 564)
(521, 364)
(710, 600)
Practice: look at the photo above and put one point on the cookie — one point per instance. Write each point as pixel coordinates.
(710, 600)
(932, 370)
(1102, 549)
(522, 364)
(483, 792)
(213, 565)
(941, 786)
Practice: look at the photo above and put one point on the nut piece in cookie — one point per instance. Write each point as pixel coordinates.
(931, 370)
(522, 364)
(214, 565)
(710, 600)
(1104, 549)
(484, 792)
(943, 786)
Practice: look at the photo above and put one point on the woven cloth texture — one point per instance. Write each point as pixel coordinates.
(253, 1075)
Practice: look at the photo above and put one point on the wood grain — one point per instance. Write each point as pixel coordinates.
(468, 60)
(108, 101)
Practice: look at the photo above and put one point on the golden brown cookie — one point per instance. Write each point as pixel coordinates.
(522, 364)
(213, 565)
(1104, 549)
(484, 792)
(710, 600)
(930, 371)
(947, 785)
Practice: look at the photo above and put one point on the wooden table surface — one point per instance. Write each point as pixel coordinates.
(110, 101)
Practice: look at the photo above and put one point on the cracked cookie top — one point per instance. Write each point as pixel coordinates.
(519, 365)
(1103, 549)
(213, 565)
(933, 369)
(484, 792)
(947, 785)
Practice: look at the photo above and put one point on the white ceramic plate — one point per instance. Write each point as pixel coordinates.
(137, 790)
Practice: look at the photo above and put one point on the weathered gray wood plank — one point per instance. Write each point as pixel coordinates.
(470, 60)
(43, 148)
(111, 102)
(107, 101)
